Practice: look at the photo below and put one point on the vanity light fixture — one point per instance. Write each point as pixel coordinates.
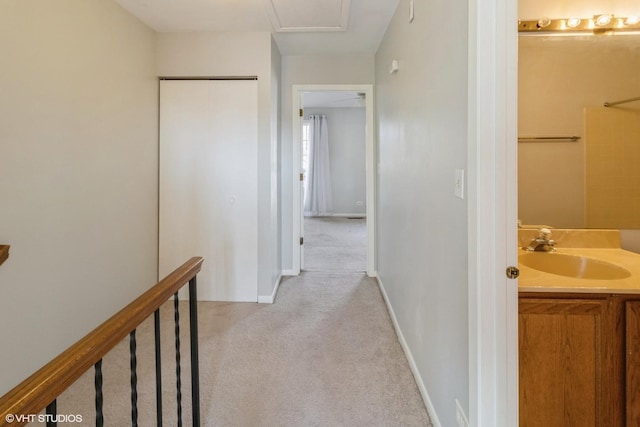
(605, 23)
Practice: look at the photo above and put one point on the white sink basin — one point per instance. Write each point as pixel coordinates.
(578, 267)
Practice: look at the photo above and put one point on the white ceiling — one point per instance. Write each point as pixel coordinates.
(366, 21)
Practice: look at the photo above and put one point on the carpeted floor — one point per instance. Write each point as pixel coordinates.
(325, 354)
(335, 244)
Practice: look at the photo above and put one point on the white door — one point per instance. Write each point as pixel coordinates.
(208, 184)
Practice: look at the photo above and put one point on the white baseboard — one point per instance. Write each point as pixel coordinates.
(412, 364)
(270, 299)
(289, 273)
(349, 215)
(340, 215)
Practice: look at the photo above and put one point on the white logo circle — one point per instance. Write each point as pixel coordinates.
(10, 418)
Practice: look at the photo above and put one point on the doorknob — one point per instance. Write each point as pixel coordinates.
(513, 272)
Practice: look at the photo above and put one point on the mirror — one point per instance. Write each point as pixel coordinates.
(593, 182)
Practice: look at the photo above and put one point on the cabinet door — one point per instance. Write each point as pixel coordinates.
(566, 354)
(633, 362)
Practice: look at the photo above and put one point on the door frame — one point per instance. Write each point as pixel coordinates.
(370, 166)
(492, 224)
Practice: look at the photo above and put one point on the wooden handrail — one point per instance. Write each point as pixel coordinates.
(41, 388)
(4, 253)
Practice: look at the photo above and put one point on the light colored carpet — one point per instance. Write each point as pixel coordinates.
(325, 354)
(335, 244)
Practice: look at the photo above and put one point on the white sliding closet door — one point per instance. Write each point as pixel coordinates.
(208, 184)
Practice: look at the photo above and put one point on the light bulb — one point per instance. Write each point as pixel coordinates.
(573, 22)
(632, 20)
(603, 20)
(544, 22)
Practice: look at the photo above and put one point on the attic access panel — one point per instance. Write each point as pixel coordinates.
(308, 15)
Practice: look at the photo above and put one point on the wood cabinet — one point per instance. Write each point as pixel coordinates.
(573, 367)
(632, 362)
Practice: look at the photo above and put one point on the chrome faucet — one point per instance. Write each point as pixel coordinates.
(542, 243)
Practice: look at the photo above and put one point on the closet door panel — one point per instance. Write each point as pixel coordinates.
(208, 184)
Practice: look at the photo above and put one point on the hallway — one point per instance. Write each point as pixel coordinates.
(325, 354)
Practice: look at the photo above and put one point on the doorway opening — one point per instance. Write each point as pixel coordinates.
(334, 182)
(333, 203)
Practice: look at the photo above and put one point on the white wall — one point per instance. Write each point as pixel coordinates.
(308, 70)
(239, 54)
(275, 250)
(346, 128)
(78, 157)
(422, 226)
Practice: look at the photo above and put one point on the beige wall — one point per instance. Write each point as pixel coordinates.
(612, 172)
(558, 78)
(78, 159)
(239, 54)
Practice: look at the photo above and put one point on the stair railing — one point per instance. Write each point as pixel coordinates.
(4, 253)
(39, 392)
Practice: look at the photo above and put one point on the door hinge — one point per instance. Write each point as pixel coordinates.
(302, 240)
(301, 177)
(301, 113)
(513, 272)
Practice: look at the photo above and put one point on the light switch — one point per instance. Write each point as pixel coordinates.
(459, 184)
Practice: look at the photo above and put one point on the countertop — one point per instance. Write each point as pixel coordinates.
(532, 280)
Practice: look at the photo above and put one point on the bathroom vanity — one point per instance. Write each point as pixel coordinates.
(579, 332)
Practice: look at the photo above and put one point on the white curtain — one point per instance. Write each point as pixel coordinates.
(318, 199)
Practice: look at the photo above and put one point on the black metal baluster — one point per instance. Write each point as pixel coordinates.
(98, 386)
(134, 378)
(195, 369)
(52, 412)
(156, 321)
(176, 318)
